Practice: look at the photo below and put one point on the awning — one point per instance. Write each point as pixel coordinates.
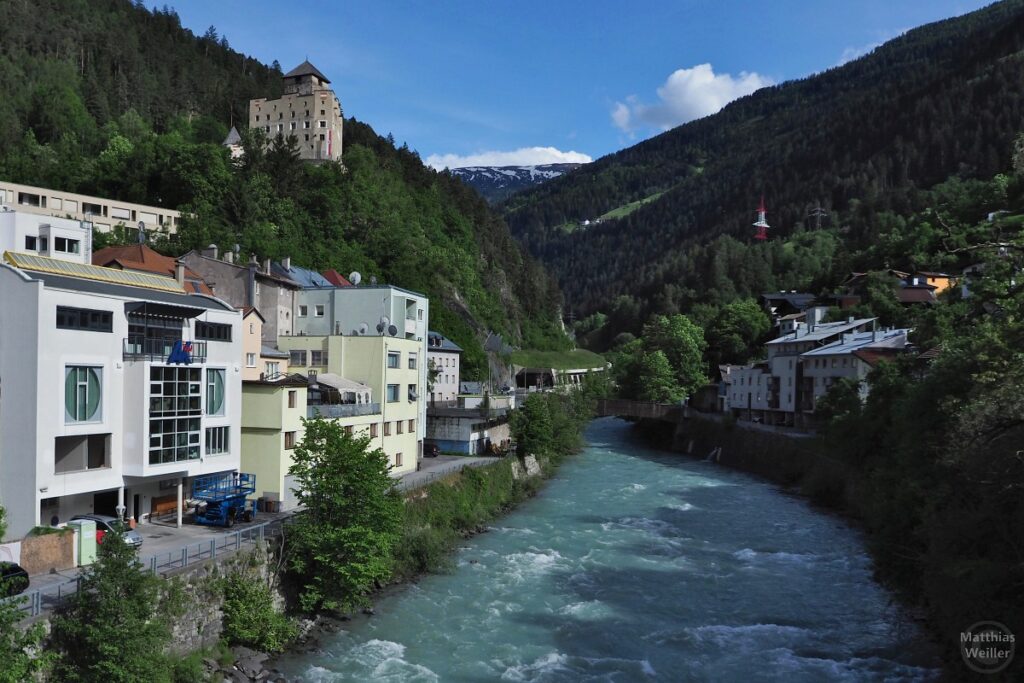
(162, 309)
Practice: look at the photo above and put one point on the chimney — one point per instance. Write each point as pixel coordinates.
(179, 272)
(286, 262)
(211, 251)
(266, 266)
(849, 319)
(229, 257)
(252, 260)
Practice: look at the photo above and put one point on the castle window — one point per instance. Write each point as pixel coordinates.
(323, 124)
(292, 125)
(322, 136)
(323, 112)
(305, 124)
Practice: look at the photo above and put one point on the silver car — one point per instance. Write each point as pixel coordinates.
(109, 524)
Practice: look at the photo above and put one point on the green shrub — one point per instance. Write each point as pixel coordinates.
(249, 615)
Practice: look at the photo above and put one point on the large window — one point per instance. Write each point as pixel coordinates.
(213, 331)
(298, 358)
(174, 411)
(289, 440)
(84, 319)
(303, 310)
(318, 358)
(214, 392)
(217, 440)
(83, 392)
(392, 393)
(271, 368)
(393, 359)
(68, 246)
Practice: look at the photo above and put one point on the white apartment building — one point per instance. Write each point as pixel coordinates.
(443, 356)
(57, 238)
(852, 356)
(102, 408)
(775, 391)
(104, 214)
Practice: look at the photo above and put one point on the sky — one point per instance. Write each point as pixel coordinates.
(497, 82)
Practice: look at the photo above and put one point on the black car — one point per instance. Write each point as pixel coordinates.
(13, 579)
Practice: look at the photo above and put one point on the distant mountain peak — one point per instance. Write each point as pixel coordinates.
(496, 183)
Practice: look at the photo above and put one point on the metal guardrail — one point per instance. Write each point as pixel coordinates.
(34, 603)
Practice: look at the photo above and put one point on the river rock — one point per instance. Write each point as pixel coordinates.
(532, 466)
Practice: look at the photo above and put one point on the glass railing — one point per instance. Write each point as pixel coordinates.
(342, 410)
(141, 348)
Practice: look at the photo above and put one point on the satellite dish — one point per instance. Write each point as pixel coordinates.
(354, 277)
(380, 327)
(392, 330)
(364, 328)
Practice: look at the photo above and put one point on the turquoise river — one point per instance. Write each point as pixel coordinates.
(639, 565)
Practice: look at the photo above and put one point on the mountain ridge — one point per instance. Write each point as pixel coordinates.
(941, 99)
(495, 183)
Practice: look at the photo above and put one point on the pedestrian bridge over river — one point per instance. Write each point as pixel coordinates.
(619, 407)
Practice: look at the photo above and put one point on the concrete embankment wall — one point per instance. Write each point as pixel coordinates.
(795, 461)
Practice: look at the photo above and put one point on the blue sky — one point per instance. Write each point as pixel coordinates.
(502, 82)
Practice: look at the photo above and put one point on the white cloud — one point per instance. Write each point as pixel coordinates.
(687, 94)
(524, 156)
(852, 53)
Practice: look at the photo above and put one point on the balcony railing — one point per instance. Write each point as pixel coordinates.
(140, 348)
(342, 410)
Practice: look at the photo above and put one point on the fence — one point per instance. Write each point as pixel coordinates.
(34, 603)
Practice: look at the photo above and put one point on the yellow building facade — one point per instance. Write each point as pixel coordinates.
(391, 368)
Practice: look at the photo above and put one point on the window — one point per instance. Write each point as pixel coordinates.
(398, 459)
(293, 398)
(252, 328)
(84, 319)
(392, 393)
(214, 392)
(292, 124)
(323, 112)
(213, 331)
(318, 358)
(83, 393)
(307, 137)
(412, 426)
(250, 360)
(323, 124)
(399, 427)
(297, 357)
(318, 311)
(419, 314)
(305, 124)
(289, 440)
(393, 359)
(30, 243)
(174, 414)
(66, 245)
(348, 429)
(217, 440)
(412, 361)
(257, 117)
(322, 136)
(303, 311)
(373, 430)
(412, 392)
(387, 429)
(271, 368)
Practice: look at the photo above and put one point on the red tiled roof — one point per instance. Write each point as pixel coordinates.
(336, 278)
(872, 356)
(142, 258)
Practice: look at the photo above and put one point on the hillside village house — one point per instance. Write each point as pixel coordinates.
(443, 356)
(852, 357)
(772, 391)
(111, 411)
(247, 285)
(104, 214)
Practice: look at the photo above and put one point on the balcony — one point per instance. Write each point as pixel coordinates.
(336, 410)
(159, 350)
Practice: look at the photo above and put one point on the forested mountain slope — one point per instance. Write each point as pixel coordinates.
(108, 98)
(944, 99)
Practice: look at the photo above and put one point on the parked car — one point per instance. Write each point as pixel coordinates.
(13, 579)
(430, 450)
(105, 524)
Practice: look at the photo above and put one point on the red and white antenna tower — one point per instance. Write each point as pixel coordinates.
(762, 222)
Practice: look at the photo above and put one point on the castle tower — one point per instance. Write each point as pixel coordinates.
(308, 110)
